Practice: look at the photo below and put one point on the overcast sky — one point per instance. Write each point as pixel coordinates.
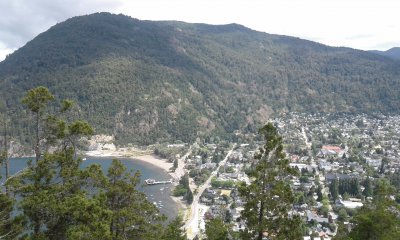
(361, 24)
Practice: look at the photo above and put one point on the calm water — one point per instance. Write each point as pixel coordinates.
(157, 194)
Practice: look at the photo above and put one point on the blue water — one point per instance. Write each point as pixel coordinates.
(157, 194)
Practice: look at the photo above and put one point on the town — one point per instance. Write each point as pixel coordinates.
(337, 156)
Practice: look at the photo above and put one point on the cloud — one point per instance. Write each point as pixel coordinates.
(386, 45)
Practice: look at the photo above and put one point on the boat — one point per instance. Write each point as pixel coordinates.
(150, 181)
(154, 182)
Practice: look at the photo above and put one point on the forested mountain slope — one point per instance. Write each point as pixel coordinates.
(393, 53)
(146, 81)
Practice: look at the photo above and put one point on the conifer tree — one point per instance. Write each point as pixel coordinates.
(334, 188)
(133, 216)
(36, 100)
(269, 197)
(379, 219)
(10, 227)
(216, 229)
(368, 191)
(174, 230)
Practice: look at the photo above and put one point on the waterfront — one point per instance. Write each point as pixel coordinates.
(157, 194)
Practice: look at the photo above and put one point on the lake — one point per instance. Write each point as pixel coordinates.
(160, 195)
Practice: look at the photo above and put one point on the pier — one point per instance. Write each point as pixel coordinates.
(154, 182)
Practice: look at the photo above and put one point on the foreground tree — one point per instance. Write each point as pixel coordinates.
(216, 230)
(36, 100)
(269, 196)
(174, 230)
(56, 201)
(379, 219)
(4, 158)
(133, 216)
(64, 130)
(10, 227)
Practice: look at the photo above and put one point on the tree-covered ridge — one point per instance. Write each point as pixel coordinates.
(393, 53)
(147, 81)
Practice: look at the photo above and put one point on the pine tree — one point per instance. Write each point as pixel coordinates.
(216, 230)
(189, 196)
(133, 216)
(174, 230)
(269, 196)
(56, 196)
(36, 100)
(10, 227)
(380, 219)
(334, 188)
(368, 191)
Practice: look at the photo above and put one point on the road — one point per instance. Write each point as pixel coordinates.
(308, 144)
(180, 170)
(192, 224)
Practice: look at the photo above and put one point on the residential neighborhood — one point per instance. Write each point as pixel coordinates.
(337, 158)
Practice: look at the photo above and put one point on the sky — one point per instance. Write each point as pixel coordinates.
(360, 24)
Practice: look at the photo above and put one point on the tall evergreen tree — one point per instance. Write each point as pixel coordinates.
(10, 227)
(36, 100)
(133, 216)
(334, 188)
(174, 230)
(189, 196)
(380, 219)
(216, 229)
(269, 196)
(56, 201)
(368, 191)
(55, 193)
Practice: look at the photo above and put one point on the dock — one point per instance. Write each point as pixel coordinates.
(154, 182)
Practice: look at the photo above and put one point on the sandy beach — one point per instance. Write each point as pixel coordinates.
(141, 156)
(156, 161)
(153, 160)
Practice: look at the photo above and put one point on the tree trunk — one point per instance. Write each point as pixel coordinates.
(36, 227)
(37, 150)
(260, 218)
(6, 150)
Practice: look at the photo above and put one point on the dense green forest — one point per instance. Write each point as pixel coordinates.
(148, 82)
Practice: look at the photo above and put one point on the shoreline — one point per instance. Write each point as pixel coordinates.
(142, 156)
(151, 159)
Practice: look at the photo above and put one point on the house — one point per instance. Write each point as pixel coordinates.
(350, 204)
(208, 165)
(301, 166)
(313, 216)
(206, 201)
(323, 164)
(327, 151)
(375, 163)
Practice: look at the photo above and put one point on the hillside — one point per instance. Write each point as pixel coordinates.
(393, 53)
(147, 81)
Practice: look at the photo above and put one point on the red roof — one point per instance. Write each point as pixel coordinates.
(333, 148)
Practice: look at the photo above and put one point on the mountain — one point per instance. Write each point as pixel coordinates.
(392, 53)
(150, 81)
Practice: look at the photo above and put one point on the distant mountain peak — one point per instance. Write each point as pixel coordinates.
(393, 53)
